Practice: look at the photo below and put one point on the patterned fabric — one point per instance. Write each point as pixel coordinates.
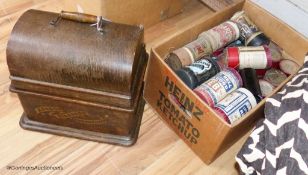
(279, 143)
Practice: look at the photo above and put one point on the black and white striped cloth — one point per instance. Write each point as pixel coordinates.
(279, 143)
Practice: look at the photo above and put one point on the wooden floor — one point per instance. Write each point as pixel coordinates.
(158, 150)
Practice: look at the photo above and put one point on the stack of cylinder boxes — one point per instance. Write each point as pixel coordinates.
(232, 66)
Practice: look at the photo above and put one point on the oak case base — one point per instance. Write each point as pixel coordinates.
(28, 124)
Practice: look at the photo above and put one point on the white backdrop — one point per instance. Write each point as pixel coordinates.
(292, 12)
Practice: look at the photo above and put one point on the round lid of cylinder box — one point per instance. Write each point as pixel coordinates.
(198, 72)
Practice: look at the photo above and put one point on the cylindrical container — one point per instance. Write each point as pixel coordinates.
(251, 82)
(188, 54)
(247, 57)
(275, 77)
(266, 88)
(276, 54)
(249, 32)
(254, 57)
(204, 45)
(230, 57)
(198, 72)
(289, 67)
(236, 105)
(219, 86)
(221, 35)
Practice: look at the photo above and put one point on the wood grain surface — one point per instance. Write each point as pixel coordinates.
(157, 151)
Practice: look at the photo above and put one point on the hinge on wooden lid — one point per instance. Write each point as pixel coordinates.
(218, 5)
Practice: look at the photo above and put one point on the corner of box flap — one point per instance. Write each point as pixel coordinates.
(218, 5)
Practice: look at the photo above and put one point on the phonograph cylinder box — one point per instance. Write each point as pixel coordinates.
(76, 81)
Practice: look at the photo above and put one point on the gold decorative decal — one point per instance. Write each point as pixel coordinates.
(77, 116)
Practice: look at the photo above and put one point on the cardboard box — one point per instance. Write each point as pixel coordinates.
(135, 12)
(206, 133)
